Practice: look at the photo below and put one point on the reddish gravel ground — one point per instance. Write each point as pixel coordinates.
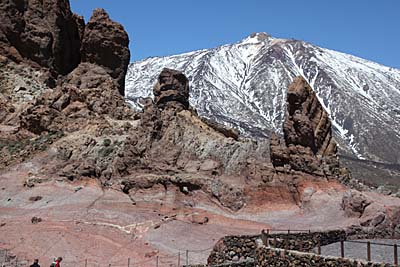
(81, 221)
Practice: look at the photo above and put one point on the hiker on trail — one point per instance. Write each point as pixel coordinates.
(35, 263)
(56, 262)
(59, 259)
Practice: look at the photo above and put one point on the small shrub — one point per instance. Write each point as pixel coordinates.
(105, 151)
(106, 142)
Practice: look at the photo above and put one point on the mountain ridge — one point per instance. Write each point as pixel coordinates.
(253, 75)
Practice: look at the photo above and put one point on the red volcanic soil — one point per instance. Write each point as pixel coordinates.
(81, 220)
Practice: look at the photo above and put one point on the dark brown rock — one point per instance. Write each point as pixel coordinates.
(35, 198)
(307, 123)
(36, 220)
(172, 90)
(308, 144)
(45, 32)
(105, 43)
(41, 118)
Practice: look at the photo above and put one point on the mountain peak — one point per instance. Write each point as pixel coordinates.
(260, 35)
(243, 86)
(257, 37)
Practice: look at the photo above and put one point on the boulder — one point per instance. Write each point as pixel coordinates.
(354, 203)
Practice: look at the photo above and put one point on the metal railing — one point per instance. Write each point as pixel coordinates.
(299, 241)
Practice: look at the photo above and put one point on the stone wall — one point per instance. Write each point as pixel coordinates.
(241, 248)
(302, 241)
(246, 263)
(278, 257)
(234, 248)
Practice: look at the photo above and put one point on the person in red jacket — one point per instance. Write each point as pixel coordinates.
(59, 259)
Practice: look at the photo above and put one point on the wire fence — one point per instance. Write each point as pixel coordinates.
(199, 257)
(355, 249)
(181, 258)
(364, 249)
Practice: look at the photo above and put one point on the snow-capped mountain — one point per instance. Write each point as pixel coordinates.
(244, 85)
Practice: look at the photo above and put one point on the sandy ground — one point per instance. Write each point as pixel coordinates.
(81, 221)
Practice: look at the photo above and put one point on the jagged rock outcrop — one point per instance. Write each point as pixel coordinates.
(307, 123)
(194, 148)
(48, 93)
(85, 93)
(45, 32)
(308, 144)
(354, 203)
(48, 35)
(172, 90)
(48, 41)
(105, 43)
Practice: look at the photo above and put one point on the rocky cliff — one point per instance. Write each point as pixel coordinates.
(308, 144)
(56, 75)
(105, 43)
(48, 36)
(75, 155)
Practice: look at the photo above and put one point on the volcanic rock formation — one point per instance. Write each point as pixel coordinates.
(244, 85)
(172, 89)
(198, 157)
(45, 32)
(105, 43)
(47, 90)
(67, 135)
(308, 144)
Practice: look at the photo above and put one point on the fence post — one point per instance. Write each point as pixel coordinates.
(287, 243)
(319, 246)
(109, 265)
(85, 262)
(157, 261)
(342, 248)
(395, 255)
(187, 257)
(129, 262)
(264, 237)
(179, 259)
(369, 251)
(288, 231)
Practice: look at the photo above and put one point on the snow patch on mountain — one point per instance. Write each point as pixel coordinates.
(244, 85)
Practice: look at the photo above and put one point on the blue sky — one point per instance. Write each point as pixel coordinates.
(365, 28)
